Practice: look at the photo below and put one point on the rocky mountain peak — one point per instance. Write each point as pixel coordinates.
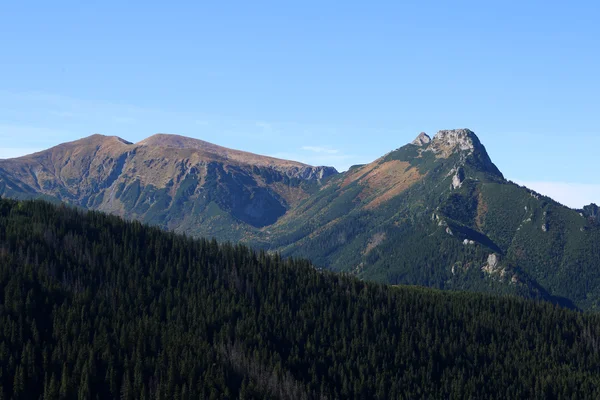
(422, 139)
(446, 142)
(466, 144)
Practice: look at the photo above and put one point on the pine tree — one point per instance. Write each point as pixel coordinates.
(64, 383)
(126, 390)
(19, 383)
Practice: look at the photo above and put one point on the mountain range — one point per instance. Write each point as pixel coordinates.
(436, 212)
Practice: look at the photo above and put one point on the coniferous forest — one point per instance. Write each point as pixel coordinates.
(94, 307)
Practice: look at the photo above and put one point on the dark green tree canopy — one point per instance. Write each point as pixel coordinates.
(94, 307)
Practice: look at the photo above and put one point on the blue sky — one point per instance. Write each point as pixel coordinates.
(335, 83)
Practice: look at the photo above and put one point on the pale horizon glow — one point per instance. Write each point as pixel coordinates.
(14, 152)
(574, 195)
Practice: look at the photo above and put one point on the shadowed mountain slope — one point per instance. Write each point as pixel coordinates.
(180, 183)
(436, 212)
(97, 307)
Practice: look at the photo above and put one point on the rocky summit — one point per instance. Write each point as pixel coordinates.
(422, 139)
(447, 142)
(436, 212)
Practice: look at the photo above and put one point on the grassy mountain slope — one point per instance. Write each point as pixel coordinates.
(180, 183)
(436, 212)
(96, 307)
(439, 213)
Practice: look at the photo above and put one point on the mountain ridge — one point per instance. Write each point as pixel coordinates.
(435, 212)
(455, 213)
(163, 174)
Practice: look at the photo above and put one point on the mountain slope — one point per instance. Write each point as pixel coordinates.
(176, 182)
(94, 306)
(356, 214)
(436, 212)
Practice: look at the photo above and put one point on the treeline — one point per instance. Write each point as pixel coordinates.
(94, 307)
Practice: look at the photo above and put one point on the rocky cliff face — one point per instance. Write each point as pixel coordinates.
(447, 142)
(465, 147)
(422, 139)
(310, 173)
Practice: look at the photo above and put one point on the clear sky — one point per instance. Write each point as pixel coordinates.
(335, 83)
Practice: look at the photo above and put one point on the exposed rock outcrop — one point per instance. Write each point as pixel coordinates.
(310, 173)
(446, 142)
(458, 178)
(466, 144)
(492, 266)
(493, 260)
(544, 227)
(422, 139)
(498, 272)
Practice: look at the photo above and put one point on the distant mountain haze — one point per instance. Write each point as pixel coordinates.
(436, 212)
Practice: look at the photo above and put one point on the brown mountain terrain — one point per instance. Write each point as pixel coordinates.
(182, 183)
(436, 212)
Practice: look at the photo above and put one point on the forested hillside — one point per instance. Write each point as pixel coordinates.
(436, 212)
(95, 307)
